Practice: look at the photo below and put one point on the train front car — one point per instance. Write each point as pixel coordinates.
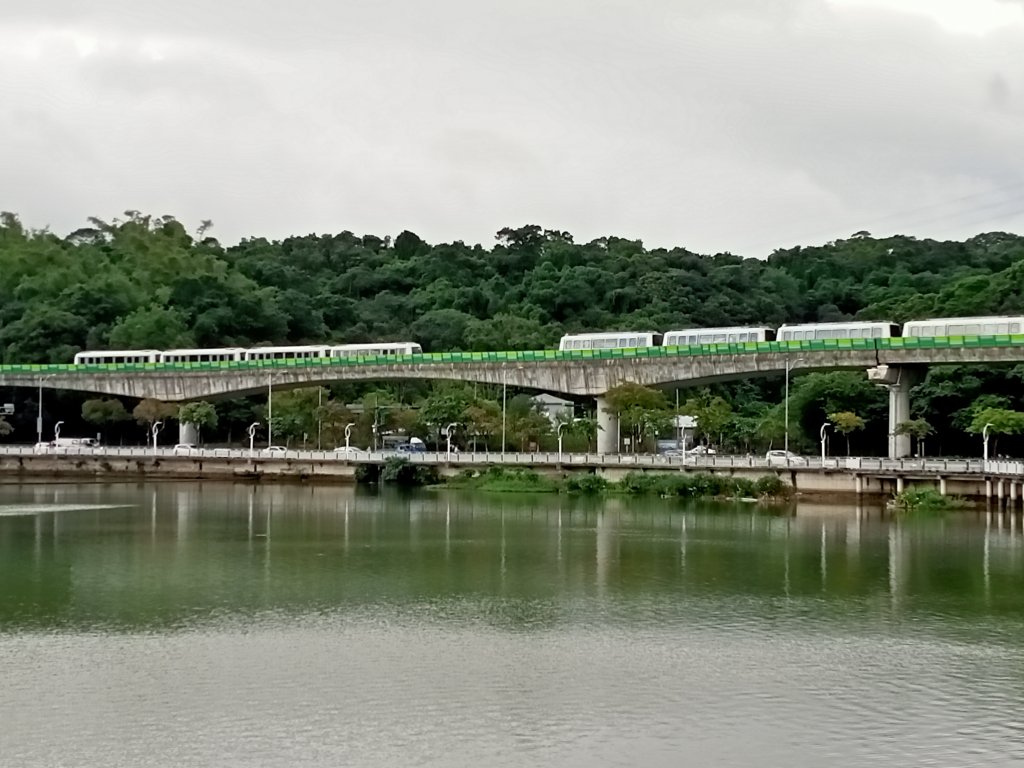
(609, 340)
(847, 330)
(117, 356)
(939, 327)
(731, 335)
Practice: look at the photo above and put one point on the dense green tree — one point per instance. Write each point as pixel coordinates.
(104, 411)
(138, 280)
(202, 414)
(526, 424)
(918, 429)
(713, 415)
(643, 412)
(846, 423)
(150, 411)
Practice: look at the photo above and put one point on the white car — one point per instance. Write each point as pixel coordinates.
(701, 450)
(349, 452)
(43, 447)
(784, 459)
(183, 449)
(275, 450)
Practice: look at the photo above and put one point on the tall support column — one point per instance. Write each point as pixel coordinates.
(607, 428)
(898, 379)
(188, 433)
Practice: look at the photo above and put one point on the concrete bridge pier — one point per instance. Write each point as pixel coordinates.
(898, 379)
(188, 433)
(607, 428)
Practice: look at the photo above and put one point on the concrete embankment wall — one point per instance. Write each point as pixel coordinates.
(173, 468)
(810, 482)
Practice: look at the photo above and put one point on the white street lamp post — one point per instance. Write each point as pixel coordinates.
(984, 437)
(56, 430)
(448, 435)
(561, 426)
(319, 420)
(39, 417)
(155, 430)
(270, 411)
(252, 437)
(504, 392)
(821, 433)
(348, 434)
(789, 367)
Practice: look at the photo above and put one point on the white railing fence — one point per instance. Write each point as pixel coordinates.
(544, 459)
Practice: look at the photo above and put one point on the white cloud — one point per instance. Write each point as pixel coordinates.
(737, 125)
(959, 16)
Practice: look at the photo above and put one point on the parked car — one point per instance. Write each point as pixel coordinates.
(701, 450)
(43, 447)
(784, 458)
(183, 449)
(275, 450)
(417, 447)
(349, 451)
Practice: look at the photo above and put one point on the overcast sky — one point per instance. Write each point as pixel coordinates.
(739, 125)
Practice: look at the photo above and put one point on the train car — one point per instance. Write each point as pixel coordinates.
(610, 340)
(105, 357)
(847, 330)
(309, 352)
(381, 348)
(964, 326)
(210, 355)
(693, 336)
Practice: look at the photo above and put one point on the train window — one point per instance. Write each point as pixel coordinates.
(876, 333)
(1014, 327)
(956, 330)
(990, 328)
(973, 329)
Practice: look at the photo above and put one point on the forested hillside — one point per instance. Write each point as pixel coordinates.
(149, 282)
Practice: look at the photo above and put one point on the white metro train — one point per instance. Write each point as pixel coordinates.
(935, 327)
(224, 354)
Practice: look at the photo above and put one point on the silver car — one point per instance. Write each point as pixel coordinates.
(784, 459)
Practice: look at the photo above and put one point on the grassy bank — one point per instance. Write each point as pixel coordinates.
(666, 485)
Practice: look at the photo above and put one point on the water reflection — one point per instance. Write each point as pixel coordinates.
(217, 624)
(317, 543)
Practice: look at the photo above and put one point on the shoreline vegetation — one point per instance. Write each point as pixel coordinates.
(925, 502)
(665, 485)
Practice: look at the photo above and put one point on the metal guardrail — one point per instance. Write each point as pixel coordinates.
(547, 459)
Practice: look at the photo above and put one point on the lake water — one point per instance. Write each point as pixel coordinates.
(219, 625)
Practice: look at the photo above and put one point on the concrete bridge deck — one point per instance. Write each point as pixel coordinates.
(568, 375)
(896, 363)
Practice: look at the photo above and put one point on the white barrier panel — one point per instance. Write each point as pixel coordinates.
(550, 459)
